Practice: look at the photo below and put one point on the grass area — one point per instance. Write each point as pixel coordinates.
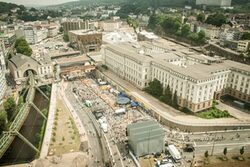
(213, 113)
(65, 136)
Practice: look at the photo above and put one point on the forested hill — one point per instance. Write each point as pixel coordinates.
(7, 7)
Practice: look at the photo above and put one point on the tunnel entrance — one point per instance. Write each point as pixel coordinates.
(26, 73)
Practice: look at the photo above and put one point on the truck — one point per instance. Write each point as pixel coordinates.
(120, 111)
(174, 153)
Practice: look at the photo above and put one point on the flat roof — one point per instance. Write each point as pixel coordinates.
(198, 70)
(84, 32)
(72, 59)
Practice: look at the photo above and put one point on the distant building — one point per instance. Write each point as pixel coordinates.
(8, 39)
(75, 66)
(243, 45)
(86, 40)
(146, 36)
(75, 24)
(19, 66)
(2, 55)
(145, 137)
(52, 31)
(110, 25)
(34, 35)
(3, 85)
(221, 3)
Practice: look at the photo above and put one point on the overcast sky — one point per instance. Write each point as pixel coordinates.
(37, 2)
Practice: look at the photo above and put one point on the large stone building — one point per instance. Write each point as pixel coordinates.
(222, 3)
(19, 66)
(75, 24)
(197, 79)
(86, 40)
(145, 137)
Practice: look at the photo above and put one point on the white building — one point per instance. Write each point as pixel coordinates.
(243, 45)
(3, 85)
(52, 31)
(221, 3)
(197, 79)
(110, 25)
(34, 35)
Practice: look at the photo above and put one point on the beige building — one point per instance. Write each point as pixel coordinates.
(197, 79)
(243, 46)
(75, 24)
(86, 40)
(19, 66)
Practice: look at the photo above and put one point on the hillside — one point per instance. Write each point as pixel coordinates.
(7, 7)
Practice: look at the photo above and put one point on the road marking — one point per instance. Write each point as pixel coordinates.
(195, 144)
(224, 144)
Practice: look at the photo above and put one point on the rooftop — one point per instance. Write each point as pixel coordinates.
(177, 58)
(84, 32)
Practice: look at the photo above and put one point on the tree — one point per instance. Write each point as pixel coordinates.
(201, 36)
(245, 36)
(206, 154)
(3, 121)
(155, 88)
(242, 150)
(217, 19)
(185, 30)
(10, 107)
(225, 151)
(175, 100)
(66, 37)
(23, 47)
(200, 17)
(61, 29)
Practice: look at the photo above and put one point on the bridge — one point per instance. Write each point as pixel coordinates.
(8, 136)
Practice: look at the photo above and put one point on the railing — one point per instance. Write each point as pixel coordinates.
(7, 137)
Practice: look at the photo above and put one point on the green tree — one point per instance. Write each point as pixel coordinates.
(66, 37)
(225, 151)
(242, 150)
(155, 88)
(200, 17)
(206, 154)
(10, 107)
(175, 100)
(23, 47)
(245, 36)
(185, 30)
(217, 19)
(3, 121)
(61, 29)
(201, 36)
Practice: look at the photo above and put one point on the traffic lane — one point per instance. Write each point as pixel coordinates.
(93, 140)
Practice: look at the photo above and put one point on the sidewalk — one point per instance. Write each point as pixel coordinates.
(168, 112)
(50, 122)
(78, 122)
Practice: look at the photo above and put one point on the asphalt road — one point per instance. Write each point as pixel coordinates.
(95, 148)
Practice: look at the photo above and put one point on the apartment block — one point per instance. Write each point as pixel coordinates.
(197, 79)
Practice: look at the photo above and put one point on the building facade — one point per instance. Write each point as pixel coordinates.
(145, 138)
(19, 66)
(221, 3)
(86, 40)
(75, 24)
(3, 85)
(196, 79)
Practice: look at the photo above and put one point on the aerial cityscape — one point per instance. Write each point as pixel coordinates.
(125, 83)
